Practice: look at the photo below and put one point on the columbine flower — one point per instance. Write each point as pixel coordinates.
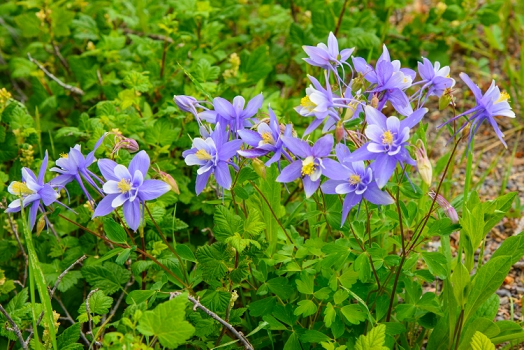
(74, 166)
(187, 104)
(233, 114)
(493, 103)
(388, 140)
(435, 79)
(320, 103)
(265, 140)
(352, 179)
(327, 57)
(212, 155)
(32, 191)
(388, 80)
(127, 187)
(309, 166)
(446, 206)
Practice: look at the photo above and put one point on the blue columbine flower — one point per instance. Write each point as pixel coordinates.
(213, 156)
(309, 164)
(327, 57)
(388, 81)
(388, 138)
(233, 114)
(352, 179)
(435, 80)
(32, 191)
(73, 166)
(127, 187)
(265, 140)
(489, 105)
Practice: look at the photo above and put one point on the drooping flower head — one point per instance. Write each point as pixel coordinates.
(448, 209)
(388, 138)
(309, 164)
(213, 155)
(265, 140)
(353, 179)
(128, 187)
(327, 57)
(32, 191)
(435, 79)
(233, 114)
(73, 166)
(489, 105)
(388, 81)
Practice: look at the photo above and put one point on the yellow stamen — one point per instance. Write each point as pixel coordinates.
(308, 166)
(64, 155)
(124, 186)
(307, 103)
(267, 137)
(405, 80)
(355, 179)
(203, 155)
(20, 188)
(387, 138)
(504, 96)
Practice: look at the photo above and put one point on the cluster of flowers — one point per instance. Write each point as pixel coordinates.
(358, 175)
(120, 186)
(361, 174)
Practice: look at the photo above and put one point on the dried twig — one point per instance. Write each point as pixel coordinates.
(71, 88)
(198, 305)
(26, 259)
(151, 36)
(14, 327)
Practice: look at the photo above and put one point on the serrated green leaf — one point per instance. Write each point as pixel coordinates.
(99, 303)
(481, 342)
(108, 277)
(306, 308)
(353, 313)
(374, 340)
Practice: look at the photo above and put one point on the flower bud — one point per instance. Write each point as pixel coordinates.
(423, 164)
(186, 103)
(259, 167)
(340, 132)
(374, 101)
(445, 99)
(465, 131)
(170, 181)
(446, 206)
(40, 225)
(357, 83)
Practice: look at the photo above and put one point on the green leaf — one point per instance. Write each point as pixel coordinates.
(204, 72)
(227, 223)
(69, 336)
(348, 278)
(306, 283)
(213, 260)
(374, 340)
(486, 282)
(512, 246)
(138, 81)
(313, 336)
(354, 313)
(306, 308)
(167, 322)
(185, 252)
(115, 232)
(329, 315)
(437, 264)
(139, 296)
(460, 280)
(108, 277)
(280, 287)
(254, 224)
(481, 342)
(293, 342)
(99, 303)
(262, 307)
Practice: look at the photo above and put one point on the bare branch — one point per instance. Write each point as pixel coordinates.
(71, 88)
(14, 327)
(151, 36)
(198, 305)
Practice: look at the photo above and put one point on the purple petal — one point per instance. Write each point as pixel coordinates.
(361, 153)
(253, 153)
(222, 175)
(376, 196)
(91, 156)
(48, 195)
(32, 215)
(132, 214)
(413, 119)
(121, 172)
(383, 168)
(152, 189)
(290, 173)
(314, 124)
(140, 162)
(374, 116)
(107, 168)
(310, 186)
(201, 182)
(229, 149)
(119, 200)
(296, 146)
(329, 187)
(250, 137)
(208, 116)
(399, 100)
(62, 180)
(43, 168)
(334, 170)
(253, 106)
(104, 207)
(223, 107)
(323, 146)
(474, 88)
(332, 45)
(350, 201)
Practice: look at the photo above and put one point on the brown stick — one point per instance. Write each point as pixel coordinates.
(71, 88)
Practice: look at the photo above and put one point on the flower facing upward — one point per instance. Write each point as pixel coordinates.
(73, 166)
(309, 164)
(327, 57)
(212, 155)
(352, 179)
(388, 138)
(127, 187)
(32, 191)
(265, 140)
(489, 105)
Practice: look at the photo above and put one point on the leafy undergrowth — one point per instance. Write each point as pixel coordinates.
(274, 203)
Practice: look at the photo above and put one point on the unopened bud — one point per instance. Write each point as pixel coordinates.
(350, 112)
(446, 206)
(40, 225)
(445, 99)
(127, 144)
(357, 83)
(170, 181)
(186, 103)
(259, 167)
(466, 131)
(374, 101)
(340, 132)
(423, 164)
